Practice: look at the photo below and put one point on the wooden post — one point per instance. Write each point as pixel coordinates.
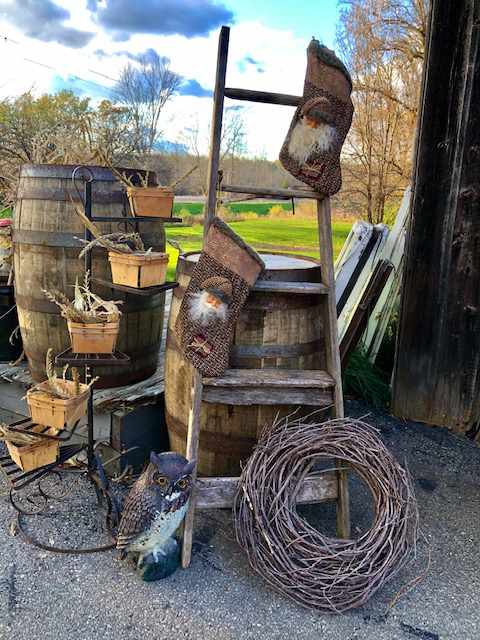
(332, 350)
(216, 140)
(192, 454)
(437, 362)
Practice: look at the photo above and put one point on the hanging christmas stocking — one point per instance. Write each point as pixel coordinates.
(219, 286)
(311, 151)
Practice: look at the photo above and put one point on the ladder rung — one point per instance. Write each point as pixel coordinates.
(312, 288)
(219, 493)
(273, 192)
(270, 386)
(262, 96)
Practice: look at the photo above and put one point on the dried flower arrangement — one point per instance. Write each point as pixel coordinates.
(15, 437)
(86, 307)
(147, 200)
(58, 401)
(93, 323)
(62, 387)
(29, 451)
(131, 264)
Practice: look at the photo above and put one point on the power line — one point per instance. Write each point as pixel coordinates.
(9, 40)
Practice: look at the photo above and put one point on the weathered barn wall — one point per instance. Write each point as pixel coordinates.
(437, 369)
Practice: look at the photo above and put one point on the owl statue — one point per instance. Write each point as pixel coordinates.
(155, 507)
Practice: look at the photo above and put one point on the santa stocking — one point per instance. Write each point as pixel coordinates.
(311, 151)
(218, 289)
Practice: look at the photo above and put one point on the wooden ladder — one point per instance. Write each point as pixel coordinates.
(269, 386)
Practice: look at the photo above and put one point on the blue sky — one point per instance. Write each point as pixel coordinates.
(83, 45)
(304, 17)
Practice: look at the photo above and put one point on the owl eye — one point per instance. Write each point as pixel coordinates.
(161, 480)
(182, 484)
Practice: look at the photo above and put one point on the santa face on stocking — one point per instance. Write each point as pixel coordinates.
(313, 133)
(210, 304)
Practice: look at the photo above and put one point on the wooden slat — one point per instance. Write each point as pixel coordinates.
(272, 192)
(283, 378)
(218, 493)
(248, 396)
(333, 352)
(193, 436)
(263, 96)
(366, 305)
(217, 117)
(311, 288)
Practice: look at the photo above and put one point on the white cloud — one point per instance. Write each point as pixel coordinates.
(281, 55)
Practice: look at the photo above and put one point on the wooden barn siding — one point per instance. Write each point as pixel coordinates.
(437, 370)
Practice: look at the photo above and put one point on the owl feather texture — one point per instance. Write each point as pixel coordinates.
(155, 507)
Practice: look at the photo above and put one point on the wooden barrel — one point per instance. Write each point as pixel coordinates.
(46, 250)
(275, 330)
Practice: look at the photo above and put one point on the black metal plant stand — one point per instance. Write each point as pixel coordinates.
(28, 491)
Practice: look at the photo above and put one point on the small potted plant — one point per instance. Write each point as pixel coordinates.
(93, 323)
(131, 264)
(28, 451)
(145, 200)
(58, 402)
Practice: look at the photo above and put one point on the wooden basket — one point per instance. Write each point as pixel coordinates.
(37, 454)
(138, 270)
(56, 412)
(154, 202)
(94, 337)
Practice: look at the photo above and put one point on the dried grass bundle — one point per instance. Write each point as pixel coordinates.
(15, 437)
(61, 387)
(316, 571)
(86, 306)
(119, 242)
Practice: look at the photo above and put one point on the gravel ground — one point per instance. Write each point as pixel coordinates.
(50, 596)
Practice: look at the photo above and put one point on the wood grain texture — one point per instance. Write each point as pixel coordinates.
(218, 493)
(437, 364)
(268, 319)
(216, 129)
(48, 259)
(273, 192)
(312, 397)
(262, 96)
(268, 378)
(333, 353)
(192, 454)
(312, 288)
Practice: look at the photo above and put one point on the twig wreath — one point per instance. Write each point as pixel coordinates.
(317, 571)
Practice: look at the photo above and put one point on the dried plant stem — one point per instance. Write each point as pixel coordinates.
(328, 574)
(182, 178)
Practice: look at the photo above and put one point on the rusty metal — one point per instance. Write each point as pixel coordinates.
(64, 195)
(117, 359)
(147, 291)
(26, 425)
(132, 220)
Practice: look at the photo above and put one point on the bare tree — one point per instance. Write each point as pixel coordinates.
(383, 43)
(144, 89)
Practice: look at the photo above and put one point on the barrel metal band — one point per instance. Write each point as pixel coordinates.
(269, 300)
(239, 352)
(64, 195)
(132, 303)
(38, 355)
(67, 240)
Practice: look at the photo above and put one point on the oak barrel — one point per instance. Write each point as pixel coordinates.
(275, 330)
(46, 248)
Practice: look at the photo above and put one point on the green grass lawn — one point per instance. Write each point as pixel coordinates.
(260, 208)
(296, 236)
